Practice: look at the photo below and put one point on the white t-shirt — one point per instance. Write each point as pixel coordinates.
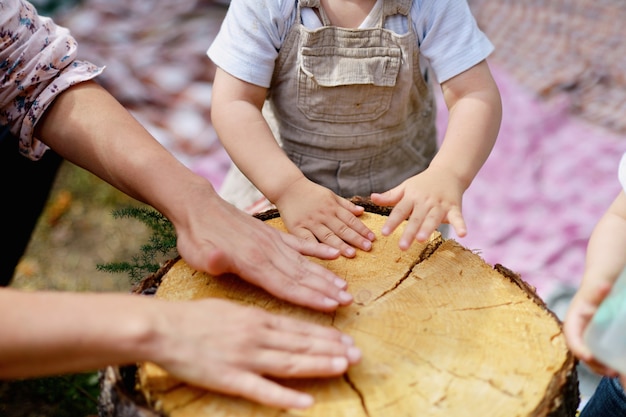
(621, 173)
(252, 34)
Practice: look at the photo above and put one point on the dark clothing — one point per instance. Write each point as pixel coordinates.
(608, 400)
(25, 187)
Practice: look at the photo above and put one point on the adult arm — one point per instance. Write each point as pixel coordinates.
(87, 126)
(47, 100)
(210, 343)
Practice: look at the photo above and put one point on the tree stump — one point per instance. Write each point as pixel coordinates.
(442, 334)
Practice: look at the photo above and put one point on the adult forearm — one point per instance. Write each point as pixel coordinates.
(88, 127)
(47, 333)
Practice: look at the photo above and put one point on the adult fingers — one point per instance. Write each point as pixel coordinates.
(316, 270)
(277, 322)
(281, 364)
(311, 356)
(256, 388)
(307, 284)
(296, 336)
(278, 268)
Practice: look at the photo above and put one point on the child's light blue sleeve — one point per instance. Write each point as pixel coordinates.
(250, 37)
(450, 39)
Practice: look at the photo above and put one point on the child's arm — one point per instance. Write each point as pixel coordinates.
(308, 210)
(606, 257)
(435, 195)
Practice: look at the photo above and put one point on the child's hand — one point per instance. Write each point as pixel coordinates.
(426, 200)
(313, 212)
(582, 308)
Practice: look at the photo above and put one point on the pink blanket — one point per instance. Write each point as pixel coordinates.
(548, 180)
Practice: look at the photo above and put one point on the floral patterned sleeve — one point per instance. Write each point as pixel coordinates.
(37, 63)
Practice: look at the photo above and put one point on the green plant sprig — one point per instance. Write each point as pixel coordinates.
(161, 245)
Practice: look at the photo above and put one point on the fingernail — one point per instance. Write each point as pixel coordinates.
(354, 354)
(339, 364)
(371, 236)
(345, 297)
(349, 252)
(340, 283)
(347, 340)
(329, 302)
(367, 245)
(333, 251)
(304, 401)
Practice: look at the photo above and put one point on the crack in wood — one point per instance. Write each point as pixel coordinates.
(397, 284)
(488, 307)
(468, 376)
(431, 247)
(356, 390)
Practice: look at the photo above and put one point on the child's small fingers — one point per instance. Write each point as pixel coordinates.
(419, 227)
(456, 220)
(351, 207)
(388, 198)
(398, 214)
(429, 225)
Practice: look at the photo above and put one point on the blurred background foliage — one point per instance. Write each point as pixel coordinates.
(50, 7)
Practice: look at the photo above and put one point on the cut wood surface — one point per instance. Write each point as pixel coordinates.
(442, 334)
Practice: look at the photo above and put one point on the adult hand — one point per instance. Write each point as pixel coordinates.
(221, 346)
(218, 238)
(426, 200)
(213, 343)
(315, 213)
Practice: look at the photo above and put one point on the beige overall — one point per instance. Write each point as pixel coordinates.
(350, 107)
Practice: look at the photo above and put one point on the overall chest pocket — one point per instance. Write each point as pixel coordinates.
(347, 85)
